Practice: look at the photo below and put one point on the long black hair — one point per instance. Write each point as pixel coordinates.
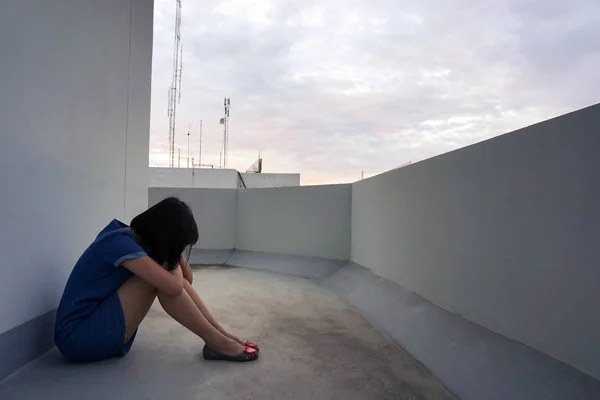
(166, 230)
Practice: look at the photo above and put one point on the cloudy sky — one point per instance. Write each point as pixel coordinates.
(330, 88)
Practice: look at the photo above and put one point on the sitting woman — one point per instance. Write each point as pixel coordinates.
(118, 277)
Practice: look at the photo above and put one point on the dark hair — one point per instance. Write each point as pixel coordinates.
(166, 229)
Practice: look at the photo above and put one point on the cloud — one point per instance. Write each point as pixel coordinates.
(333, 88)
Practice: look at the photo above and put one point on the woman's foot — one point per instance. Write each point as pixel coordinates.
(248, 354)
(245, 343)
(227, 347)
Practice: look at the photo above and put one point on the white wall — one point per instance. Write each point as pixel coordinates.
(308, 220)
(138, 110)
(270, 180)
(214, 211)
(505, 233)
(216, 178)
(74, 123)
(193, 178)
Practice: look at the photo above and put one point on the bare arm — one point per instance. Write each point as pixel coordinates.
(169, 282)
(186, 270)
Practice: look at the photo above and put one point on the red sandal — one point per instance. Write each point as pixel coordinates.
(252, 345)
(249, 354)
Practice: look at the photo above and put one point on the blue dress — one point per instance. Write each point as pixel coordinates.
(90, 324)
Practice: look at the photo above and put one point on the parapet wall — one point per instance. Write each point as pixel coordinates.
(216, 178)
(312, 221)
(309, 221)
(505, 233)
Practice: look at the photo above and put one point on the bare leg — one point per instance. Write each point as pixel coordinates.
(204, 310)
(136, 297)
(184, 311)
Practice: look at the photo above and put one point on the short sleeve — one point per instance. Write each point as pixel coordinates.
(118, 247)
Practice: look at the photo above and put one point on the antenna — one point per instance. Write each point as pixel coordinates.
(180, 66)
(225, 122)
(175, 88)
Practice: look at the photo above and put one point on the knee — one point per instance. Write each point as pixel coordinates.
(137, 284)
(163, 295)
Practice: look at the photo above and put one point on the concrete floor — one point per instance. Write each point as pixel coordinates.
(313, 346)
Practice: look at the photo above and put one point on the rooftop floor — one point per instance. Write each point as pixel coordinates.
(313, 346)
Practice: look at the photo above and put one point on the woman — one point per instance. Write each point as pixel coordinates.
(116, 280)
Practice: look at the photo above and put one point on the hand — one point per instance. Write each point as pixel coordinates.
(178, 274)
(187, 271)
(177, 271)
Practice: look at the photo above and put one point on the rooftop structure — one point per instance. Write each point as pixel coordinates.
(217, 178)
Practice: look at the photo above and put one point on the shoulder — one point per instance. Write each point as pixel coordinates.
(116, 244)
(114, 227)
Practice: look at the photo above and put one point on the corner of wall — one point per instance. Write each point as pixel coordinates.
(349, 255)
(236, 219)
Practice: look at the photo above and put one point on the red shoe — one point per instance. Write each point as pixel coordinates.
(252, 345)
(249, 354)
